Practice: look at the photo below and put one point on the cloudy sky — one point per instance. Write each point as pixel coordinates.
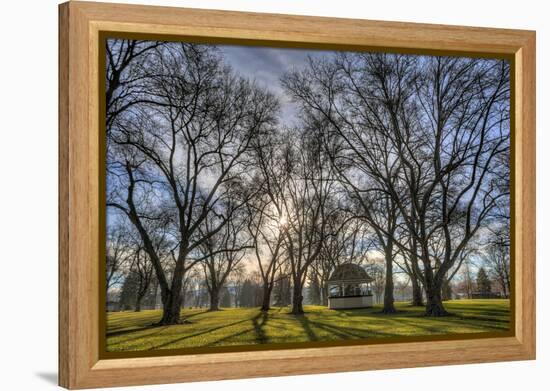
(266, 65)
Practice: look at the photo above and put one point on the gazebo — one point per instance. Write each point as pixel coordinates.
(349, 287)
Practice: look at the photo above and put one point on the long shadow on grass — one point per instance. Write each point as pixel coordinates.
(121, 326)
(352, 332)
(228, 337)
(481, 321)
(333, 330)
(378, 314)
(128, 331)
(155, 331)
(258, 322)
(305, 322)
(196, 334)
(261, 336)
(444, 323)
(149, 326)
(435, 329)
(483, 315)
(480, 309)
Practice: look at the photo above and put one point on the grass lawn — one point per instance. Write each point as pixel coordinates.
(132, 331)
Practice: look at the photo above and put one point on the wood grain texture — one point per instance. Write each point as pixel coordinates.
(63, 220)
(80, 24)
(526, 190)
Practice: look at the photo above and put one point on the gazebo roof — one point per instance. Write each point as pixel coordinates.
(351, 273)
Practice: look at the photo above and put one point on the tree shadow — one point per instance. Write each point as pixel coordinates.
(228, 337)
(372, 311)
(446, 322)
(149, 326)
(435, 329)
(130, 331)
(195, 334)
(353, 331)
(305, 323)
(259, 324)
(486, 321)
(334, 330)
(155, 331)
(483, 312)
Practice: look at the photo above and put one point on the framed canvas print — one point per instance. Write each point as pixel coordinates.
(247, 195)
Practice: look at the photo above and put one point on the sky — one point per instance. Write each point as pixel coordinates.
(266, 66)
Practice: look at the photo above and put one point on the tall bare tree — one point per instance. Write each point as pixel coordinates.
(175, 155)
(222, 253)
(407, 261)
(266, 228)
(142, 268)
(267, 216)
(126, 74)
(358, 145)
(118, 253)
(429, 134)
(305, 206)
(496, 258)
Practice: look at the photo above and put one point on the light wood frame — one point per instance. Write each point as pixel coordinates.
(80, 24)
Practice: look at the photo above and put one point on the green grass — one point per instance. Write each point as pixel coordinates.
(131, 331)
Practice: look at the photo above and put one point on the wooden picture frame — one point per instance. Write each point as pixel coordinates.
(80, 26)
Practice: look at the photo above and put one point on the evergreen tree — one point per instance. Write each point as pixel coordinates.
(282, 292)
(225, 297)
(129, 292)
(247, 294)
(483, 282)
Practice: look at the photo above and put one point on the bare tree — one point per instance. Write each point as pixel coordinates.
(118, 254)
(221, 254)
(235, 283)
(428, 133)
(377, 271)
(306, 191)
(142, 268)
(407, 261)
(465, 116)
(282, 289)
(126, 74)
(359, 147)
(404, 155)
(496, 258)
(176, 155)
(267, 218)
(266, 229)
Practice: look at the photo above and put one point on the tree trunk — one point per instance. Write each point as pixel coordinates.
(266, 301)
(504, 284)
(324, 294)
(171, 309)
(389, 308)
(171, 299)
(214, 299)
(297, 299)
(417, 299)
(139, 298)
(434, 304)
(446, 291)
